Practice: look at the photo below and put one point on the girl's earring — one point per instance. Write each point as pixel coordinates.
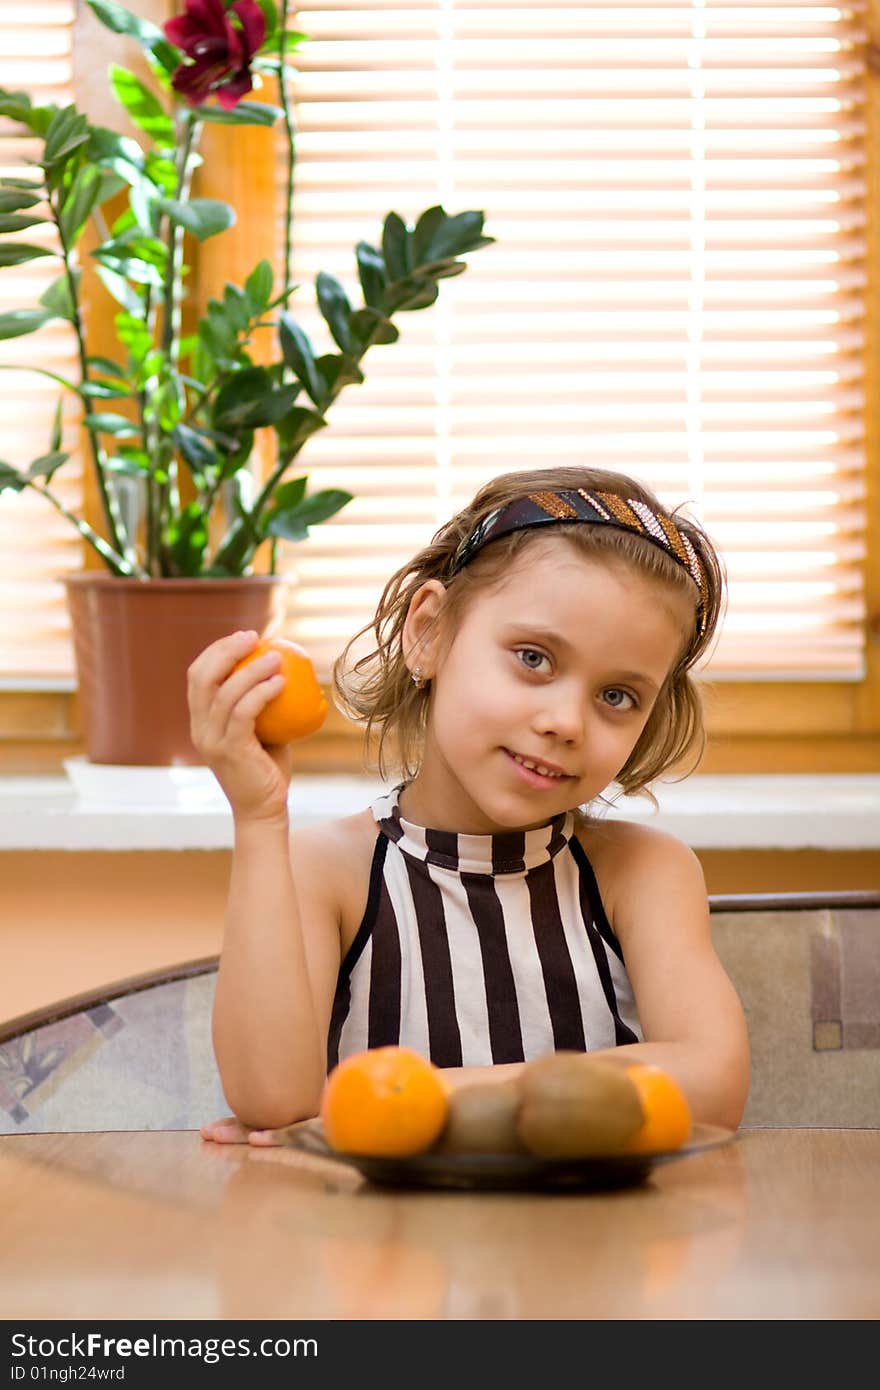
(419, 680)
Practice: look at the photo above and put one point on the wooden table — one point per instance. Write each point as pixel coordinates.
(779, 1224)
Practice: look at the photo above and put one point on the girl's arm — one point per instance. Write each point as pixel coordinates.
(692, 1020)
(280, 952)
(278, 968)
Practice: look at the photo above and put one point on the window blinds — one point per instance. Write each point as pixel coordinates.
(677, 288)
(36, 543)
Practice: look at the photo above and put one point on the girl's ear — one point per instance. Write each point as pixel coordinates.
(421, 628)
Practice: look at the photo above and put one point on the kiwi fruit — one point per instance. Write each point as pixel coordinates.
(576, 1106)
(481, 1118)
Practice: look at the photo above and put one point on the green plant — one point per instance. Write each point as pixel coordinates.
(170, 419)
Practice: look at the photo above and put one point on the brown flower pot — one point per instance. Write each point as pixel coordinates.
(133, 642)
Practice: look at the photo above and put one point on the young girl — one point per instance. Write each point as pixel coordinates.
(484, 912)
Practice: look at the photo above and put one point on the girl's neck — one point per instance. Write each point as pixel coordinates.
(450, 809)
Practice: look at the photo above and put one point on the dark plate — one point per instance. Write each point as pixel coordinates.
(508, 1171)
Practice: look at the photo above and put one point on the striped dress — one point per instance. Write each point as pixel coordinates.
(480, 949)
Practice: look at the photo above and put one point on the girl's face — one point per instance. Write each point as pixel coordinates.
(542, 692)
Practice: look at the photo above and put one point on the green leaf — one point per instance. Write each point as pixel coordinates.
(249, 399)
(17, 322)
(336, 309)
(80, 201)
(127, 467)
(137, 256)
(13, 199)
(161, 172)
(143, 204)
(106, 364)
(428, 225)
(67, 131)
(19, 221)
(270, 14)
(47, 464)
(258, 287)
(121, 21)
(105, 391)
(57, 428)
(17, 252)
(58, 298)
(237, 309)
(120, 289)
(369, 326)
(245, 113)
(416, 292)
(133, 333)
(455, 236)
(397, 247)
(119, 153)
(11, 479)
(18, 107)
(142, 105)
(8, 182)
(291, 493)
(371, 270)
(204, 217)
(299, 355)
(198, 454)
(296, 427)
(292, 523)
(338, 370)
(108, 423)
(185, 539)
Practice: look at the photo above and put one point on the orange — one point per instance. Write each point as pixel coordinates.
(668, 1121)
(387, 1100)
(300, 709)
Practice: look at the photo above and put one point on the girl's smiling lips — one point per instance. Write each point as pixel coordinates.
(538, 772)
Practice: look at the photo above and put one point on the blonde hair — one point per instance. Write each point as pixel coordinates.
(378, 689)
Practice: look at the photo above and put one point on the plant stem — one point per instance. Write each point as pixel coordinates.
(290, 134)
(167, 493)
(120, 543)
(112, 558)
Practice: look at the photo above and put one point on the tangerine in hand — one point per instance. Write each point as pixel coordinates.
(300, 709)
(387, 1101)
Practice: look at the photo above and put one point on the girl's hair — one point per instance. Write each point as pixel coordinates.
(378, 689)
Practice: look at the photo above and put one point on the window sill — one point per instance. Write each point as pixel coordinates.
(798, 811)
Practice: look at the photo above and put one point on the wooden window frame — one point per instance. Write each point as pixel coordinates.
(753, 726)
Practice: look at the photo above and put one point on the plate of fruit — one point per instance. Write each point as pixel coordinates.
(566, 1121)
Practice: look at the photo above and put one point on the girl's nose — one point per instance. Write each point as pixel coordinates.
(562, 717)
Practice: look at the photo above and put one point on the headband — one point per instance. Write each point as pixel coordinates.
(602, 508)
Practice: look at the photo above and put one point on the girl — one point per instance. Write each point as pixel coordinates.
(484, 912)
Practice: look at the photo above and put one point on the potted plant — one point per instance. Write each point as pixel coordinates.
(171, 419)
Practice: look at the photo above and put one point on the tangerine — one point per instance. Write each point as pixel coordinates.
(386, 1101)
(668, 1122)
(300, 709)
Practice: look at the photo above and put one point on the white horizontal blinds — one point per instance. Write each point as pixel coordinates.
(36, 543)
(677, 193)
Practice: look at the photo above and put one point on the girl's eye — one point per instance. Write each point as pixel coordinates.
(617, 698)
(531, 658)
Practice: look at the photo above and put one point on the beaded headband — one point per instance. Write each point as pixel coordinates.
(576, 504)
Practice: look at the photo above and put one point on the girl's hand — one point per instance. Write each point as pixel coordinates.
(229, 1130)
(223, 704)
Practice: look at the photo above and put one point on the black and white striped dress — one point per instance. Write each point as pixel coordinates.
(480, 949)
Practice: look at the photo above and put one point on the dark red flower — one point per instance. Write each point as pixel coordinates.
(220, 43)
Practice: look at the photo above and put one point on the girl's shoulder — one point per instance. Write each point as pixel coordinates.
(332, 862)
(630, 858)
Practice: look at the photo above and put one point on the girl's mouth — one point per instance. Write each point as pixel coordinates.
(535, 773)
